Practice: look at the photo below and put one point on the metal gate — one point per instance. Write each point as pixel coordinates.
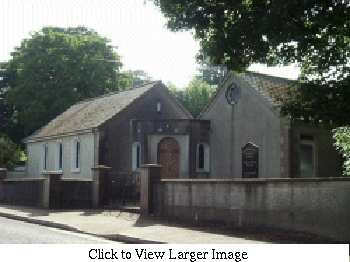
(124, 189)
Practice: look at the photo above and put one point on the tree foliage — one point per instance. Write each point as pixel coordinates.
(10, 154)
(138, 77)
(342, 137)
(312, 33)
(212, 74)
(53, 70)
(195, 96)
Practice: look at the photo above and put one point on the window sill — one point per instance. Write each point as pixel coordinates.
(202, 171)
(76, 171)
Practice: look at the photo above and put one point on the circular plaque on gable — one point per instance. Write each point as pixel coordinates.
(232, 94)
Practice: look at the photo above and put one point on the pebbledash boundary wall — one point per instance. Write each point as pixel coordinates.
(52, 191)
(317, 205)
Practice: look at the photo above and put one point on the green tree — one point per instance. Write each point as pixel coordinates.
(138, 77)
(54, 69)
(10, 154)
(313, 33)
(195, 96)
(211, 74)
(342, 137)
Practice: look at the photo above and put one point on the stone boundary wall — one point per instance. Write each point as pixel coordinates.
(318, 205)
(74, 193)
(22, 191)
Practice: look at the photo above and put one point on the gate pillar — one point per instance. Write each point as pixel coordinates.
(149, 174)
(3, 176)
(99, 184)
(52, 189)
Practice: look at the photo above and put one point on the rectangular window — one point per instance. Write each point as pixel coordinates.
(307, 156)
(60, 156)
(78, 155)
(201, 156)
(46, 157)
(138, 156)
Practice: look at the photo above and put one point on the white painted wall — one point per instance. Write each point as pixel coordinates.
(34, 152)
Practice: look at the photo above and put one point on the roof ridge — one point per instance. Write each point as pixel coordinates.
(271, 76)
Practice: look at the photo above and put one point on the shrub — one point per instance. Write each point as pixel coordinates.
(342, 138)
(10, 154)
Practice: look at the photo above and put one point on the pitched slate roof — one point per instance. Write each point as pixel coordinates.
(270, 87)
(273, 89)
(92, 112)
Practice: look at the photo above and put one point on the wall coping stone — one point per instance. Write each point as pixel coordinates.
(150, 165)
(256, 181)
(52, 173)
(101, 167)
(23, 179)
(76, 180)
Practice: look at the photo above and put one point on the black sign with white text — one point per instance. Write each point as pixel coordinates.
(250, 161)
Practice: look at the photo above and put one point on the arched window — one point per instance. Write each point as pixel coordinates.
(44, 157)
(59, 155)
(75, 160)
(136, 156)
(203, 157)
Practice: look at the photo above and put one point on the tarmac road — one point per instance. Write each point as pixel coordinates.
(19, 232)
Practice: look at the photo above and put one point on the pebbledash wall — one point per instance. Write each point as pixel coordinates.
(318, 205)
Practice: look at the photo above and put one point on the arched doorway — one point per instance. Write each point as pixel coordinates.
(168, 157)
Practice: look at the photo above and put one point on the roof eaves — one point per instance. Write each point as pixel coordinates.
(35, 139)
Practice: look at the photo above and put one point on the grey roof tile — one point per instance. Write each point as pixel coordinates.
(273, 89)
(91, 113)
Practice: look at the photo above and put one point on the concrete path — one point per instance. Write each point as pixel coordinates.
(131, 227)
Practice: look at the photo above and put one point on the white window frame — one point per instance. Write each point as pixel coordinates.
(44, 157)
(206, 158)
(76, 156)
(57, 156)
(134, 156)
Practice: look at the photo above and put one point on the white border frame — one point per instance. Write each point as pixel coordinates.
(44, 157)
(57, 155)
(74, 155)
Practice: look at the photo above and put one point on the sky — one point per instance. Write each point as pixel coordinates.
(136, 27)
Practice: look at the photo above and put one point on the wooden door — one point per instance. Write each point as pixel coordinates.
(168, 157)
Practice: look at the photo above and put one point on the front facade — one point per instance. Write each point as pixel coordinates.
(143, 125)
(181, 146)
(239, 134)
(243, 111)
